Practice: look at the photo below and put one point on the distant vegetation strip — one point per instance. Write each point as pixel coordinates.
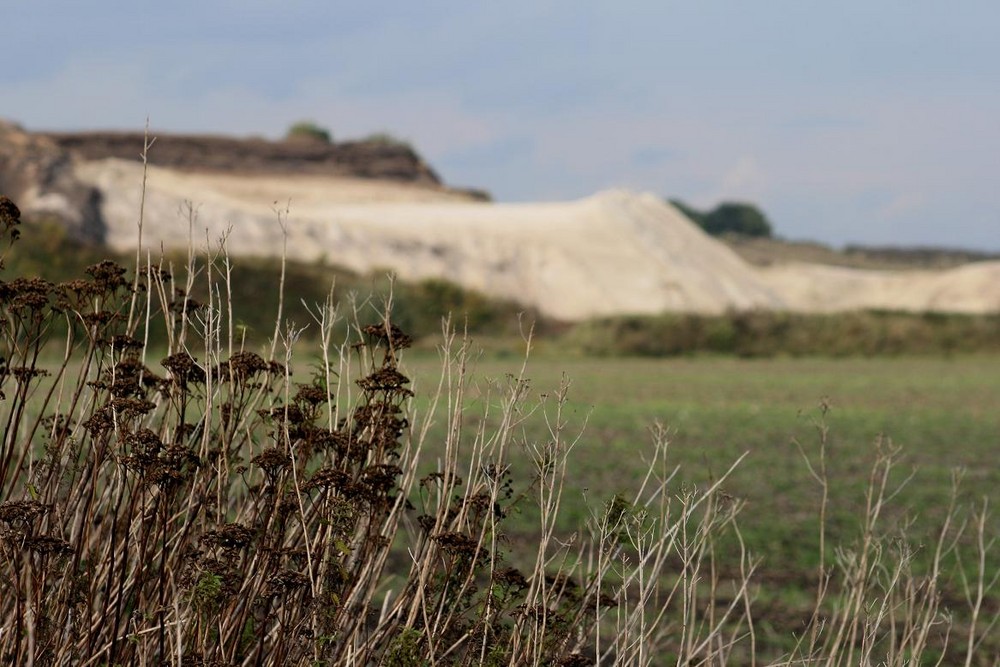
(768, 334)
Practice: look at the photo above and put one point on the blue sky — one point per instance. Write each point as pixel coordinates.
(871, 121)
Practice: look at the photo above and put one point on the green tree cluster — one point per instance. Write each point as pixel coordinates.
(307, 129)
(728, 218)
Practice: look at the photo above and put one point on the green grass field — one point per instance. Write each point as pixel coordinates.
(941, 412)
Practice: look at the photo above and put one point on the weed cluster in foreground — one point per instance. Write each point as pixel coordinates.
(207, 505)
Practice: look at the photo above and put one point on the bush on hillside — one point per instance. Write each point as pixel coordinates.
(387, 139)
(728, 218)
(309, 131)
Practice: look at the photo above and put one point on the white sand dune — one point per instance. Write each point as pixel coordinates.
(613, 253)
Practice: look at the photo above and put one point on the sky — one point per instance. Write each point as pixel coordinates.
(858, 121)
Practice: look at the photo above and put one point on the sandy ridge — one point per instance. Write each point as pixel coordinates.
(613, 253)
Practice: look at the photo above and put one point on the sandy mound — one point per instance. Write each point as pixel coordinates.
(608, 254)
(613, 253)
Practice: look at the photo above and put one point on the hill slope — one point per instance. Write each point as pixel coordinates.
(611, 253)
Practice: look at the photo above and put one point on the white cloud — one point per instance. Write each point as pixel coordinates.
(744, 180)
(901, 205)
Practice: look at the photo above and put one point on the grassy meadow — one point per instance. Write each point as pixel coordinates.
(940, 412)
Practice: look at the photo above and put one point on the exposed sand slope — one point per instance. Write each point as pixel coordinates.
(612, 253)
(973, 288)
